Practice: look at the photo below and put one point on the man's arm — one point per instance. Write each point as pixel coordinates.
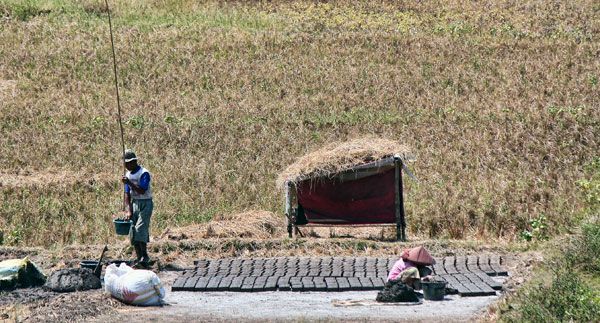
(140, 189)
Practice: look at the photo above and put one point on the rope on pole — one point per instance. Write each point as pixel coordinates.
(112, 45)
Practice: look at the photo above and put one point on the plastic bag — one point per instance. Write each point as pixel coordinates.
(133, 286)
(20, 273)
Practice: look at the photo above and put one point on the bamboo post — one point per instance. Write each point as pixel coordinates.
(288, 207)
(399, 201)
(402, 217)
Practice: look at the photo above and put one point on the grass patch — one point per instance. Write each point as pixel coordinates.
(566, 288)
(219, 97)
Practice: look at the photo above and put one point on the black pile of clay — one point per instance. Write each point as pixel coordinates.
(396, 290)
(72, 279)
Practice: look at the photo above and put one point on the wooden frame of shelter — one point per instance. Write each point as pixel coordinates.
(386, 171)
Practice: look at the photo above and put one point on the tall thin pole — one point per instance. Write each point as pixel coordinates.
(112, 45)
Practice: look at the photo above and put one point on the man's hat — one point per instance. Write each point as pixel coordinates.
(129, 156)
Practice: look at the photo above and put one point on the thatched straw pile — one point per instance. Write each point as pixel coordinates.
(339, 156)
(250, 224)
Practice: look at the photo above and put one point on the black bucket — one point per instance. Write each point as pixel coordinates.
(434, 290)
(91, 265)
(122, 226)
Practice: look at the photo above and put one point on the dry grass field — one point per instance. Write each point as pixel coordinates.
(498, 101)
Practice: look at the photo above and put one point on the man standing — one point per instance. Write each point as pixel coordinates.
(139, 205)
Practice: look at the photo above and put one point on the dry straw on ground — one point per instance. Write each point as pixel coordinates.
(335, 157)
(249, 224)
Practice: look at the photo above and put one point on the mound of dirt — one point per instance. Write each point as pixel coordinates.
(72, 279)
(72, 307)
(396, 290)
(250, 224)
(26, 295)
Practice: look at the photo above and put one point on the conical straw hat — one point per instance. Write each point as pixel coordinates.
(418, 255)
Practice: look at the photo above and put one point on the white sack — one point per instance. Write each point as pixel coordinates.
(133, 286)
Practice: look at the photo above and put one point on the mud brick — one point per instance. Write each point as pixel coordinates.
(248, 284)
(472, 264)
(449, 265)
(296, 284)
(271, 283)
(283, 283)
(495, 264)
(366, 283)
(236, 284)
(461, 278)
(190, 283)
(438, 267)
(489, 281)
(461, 264)
(308, 284)
(320, 285)
(314, 272)
(450, 280)
(371, 274)
(473, 290)
(178, 284)
(201, 283)
(201, 263)
(484, 265)
(343, 283)
(314, 262)
(225, 263)
(325, 272)
(483, 286)
(354, 283)
(213, 283)
(224, 284)
(378, 283)
(326, 260)
(256, 273)
(331, 283)
(259, 284)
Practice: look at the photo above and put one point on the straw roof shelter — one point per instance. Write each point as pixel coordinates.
(358, 182)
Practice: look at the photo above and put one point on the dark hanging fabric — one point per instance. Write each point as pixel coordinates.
(367, 200)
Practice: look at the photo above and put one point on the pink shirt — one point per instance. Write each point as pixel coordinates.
(399, 266)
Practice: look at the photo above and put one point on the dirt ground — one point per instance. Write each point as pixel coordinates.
(177, 249)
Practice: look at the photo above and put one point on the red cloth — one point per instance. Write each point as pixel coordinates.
(363, 201)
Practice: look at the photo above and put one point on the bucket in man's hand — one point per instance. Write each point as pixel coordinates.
(122, 226)
(433, 290)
